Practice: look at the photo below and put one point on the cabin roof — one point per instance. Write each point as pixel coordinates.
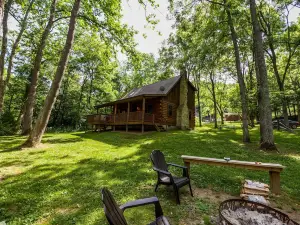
(160, 88)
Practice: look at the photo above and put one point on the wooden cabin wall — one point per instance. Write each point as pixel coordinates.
(171, 99)
(155, 102)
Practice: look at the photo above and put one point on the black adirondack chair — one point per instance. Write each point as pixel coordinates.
(115, 214)
(165, 177)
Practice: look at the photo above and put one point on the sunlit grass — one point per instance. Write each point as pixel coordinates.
(59, 182)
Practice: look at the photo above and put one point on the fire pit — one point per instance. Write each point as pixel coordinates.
(243, 212)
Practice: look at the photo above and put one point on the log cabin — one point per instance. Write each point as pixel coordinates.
(159, 106)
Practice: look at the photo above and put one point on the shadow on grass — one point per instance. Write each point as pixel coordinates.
(12, 149)
(117, 139)
(14, 163)
(215, 144)
(65, 190)
(61, 140)
(69, 193)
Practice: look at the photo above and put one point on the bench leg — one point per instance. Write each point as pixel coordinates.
(187, 164)
(275, 182)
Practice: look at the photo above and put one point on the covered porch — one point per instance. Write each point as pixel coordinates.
(126, 113)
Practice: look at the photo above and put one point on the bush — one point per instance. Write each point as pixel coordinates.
(8, 125)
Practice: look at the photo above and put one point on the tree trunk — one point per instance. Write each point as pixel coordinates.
(30, 102)
(265, 113)
(199, 107)
(285, 109)
(214, 97)
(280, 82)
(91, 89)
(3, 51)
(2, 2)
(16, 44)
(65, 97)
(81, 94)
(20, 118)
(289, 108)
(243, 94)
(251, 88)
(40, 126)
(198, 99)
(221, 113)
(10, 102)
(222, 116)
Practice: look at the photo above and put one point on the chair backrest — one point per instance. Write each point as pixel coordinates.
(158, 160)
(112, 211)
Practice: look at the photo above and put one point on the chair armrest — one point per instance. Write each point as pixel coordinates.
(185, 172)
(142, 202)
(172, 164)
(162, 171)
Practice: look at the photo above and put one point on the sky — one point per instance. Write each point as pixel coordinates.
(134, 15)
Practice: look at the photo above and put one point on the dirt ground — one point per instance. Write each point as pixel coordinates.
(216, 198)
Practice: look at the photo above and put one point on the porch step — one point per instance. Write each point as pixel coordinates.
(159, 127)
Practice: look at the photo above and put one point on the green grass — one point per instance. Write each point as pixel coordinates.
(59, 182)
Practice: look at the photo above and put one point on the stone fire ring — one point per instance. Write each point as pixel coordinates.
(234, 204)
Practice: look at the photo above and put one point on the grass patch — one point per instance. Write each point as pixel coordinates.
(59, 183)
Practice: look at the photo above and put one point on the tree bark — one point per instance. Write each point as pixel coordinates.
(40, 126)
(221, 112)
(30, 102)
(2, 3)
(243, 94)
(211, 76)
(265, 113)
(251, 88)
(3, 51)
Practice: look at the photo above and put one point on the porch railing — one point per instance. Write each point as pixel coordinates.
(121, 118)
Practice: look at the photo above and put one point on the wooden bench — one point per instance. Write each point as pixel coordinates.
(274, 169)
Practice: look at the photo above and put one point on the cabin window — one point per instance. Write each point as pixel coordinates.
(149, 109)
(170, 110)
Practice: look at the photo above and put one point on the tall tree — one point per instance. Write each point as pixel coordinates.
(40, 126)
(30, 101)
(213, 92)
(279, 39)
(197, 83)
(241, 81)
(14, 49)
(265, 113)
(2, 3)
(3, 50)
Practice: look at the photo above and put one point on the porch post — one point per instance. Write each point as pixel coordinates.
(143, 114)
(128, 107)
(115, 112)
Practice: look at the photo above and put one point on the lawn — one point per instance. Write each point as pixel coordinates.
(59, 182)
